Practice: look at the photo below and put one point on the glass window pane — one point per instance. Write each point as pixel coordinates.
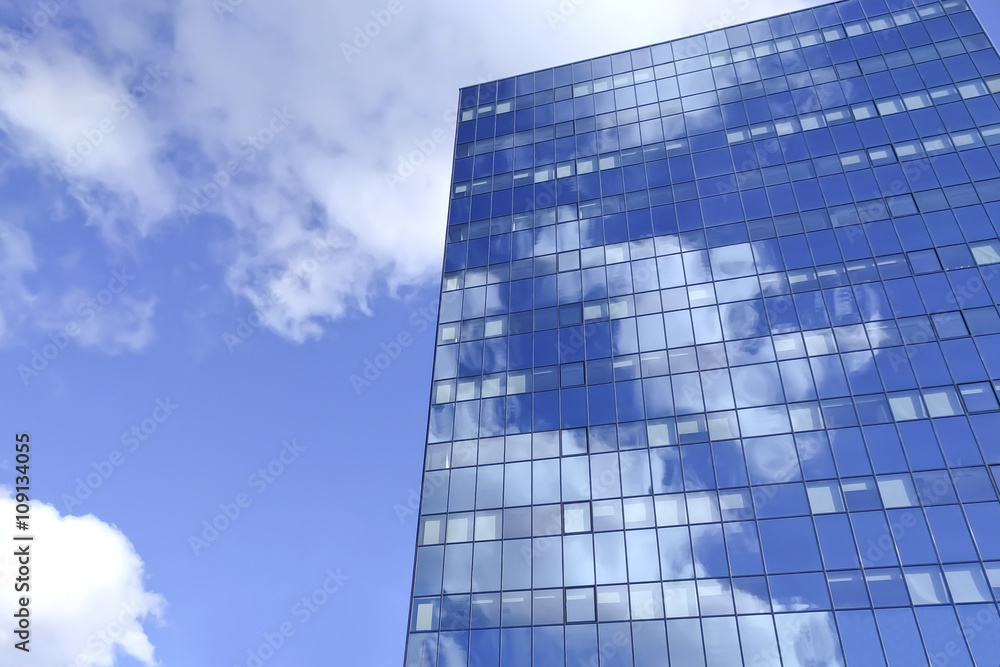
(812, 632)
(825, 497)
(680, 599)
(967, 583)
(897, 491)
(926, 585)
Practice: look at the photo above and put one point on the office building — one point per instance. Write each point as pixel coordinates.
(718, 355)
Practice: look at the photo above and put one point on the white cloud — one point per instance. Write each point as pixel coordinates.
(355, 117)
(87, 600)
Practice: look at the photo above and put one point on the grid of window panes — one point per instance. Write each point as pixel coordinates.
(717, 368)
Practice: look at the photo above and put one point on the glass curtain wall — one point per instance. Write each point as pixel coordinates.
(718, 355)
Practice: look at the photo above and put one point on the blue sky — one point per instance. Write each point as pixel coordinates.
(190, 278)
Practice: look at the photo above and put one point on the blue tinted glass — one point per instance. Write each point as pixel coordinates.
(789, 545)
(718, 318)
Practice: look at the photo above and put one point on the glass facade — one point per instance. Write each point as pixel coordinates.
(718, 359)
